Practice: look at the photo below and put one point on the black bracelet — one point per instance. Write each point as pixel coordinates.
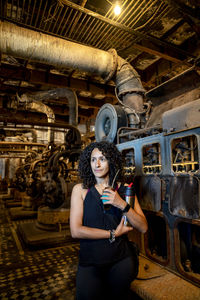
(126, 208)
(112, 236)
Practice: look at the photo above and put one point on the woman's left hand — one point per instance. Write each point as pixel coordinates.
(122, 229)
(110, 196)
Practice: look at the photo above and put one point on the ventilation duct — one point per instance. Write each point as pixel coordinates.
(35, 46)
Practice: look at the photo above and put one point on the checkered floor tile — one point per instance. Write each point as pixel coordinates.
(34, 274)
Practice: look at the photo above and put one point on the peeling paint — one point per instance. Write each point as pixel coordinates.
(183, 33)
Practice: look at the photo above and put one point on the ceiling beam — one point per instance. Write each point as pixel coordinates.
(152, 49)
(50, 80)
(184, 9)
(133, 32)
(35, 118)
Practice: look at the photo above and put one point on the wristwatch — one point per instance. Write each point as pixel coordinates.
(112, 236)
(126, 208)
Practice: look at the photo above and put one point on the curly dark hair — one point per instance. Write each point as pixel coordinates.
(111, 153)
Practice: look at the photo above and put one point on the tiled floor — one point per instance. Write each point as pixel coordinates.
(28, 273)
(34, 273)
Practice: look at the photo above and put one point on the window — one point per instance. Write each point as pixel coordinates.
(157, 238)
(189, 239)
(151, 159)
(129, 157)
(185, 154)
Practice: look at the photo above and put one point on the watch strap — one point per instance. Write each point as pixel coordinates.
(126, 208)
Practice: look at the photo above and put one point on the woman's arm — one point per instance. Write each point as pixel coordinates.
(135, 215)
(137, 218)
(76, 216)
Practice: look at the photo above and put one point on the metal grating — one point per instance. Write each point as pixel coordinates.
(76, 23)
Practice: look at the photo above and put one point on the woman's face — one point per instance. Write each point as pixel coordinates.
(99, 164)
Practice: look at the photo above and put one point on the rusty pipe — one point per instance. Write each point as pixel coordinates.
(31, 104)
(129, 86)
(22, 130)
(65, 93)
(36, 46)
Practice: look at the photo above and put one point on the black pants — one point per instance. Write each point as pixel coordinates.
(110, 282)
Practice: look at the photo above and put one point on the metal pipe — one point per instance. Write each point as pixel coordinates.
(31, 104)
(136, 132)
(34, 102)
(22, 130)
(18, 121)
(129, 86)
(65, 93)
(11, 144)
(35, 46)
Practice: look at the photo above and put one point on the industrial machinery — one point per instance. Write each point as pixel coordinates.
(161, 147)
(159, 138)
(49, 184)
(41, 177)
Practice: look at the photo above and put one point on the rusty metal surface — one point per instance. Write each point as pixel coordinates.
(51, 50)
(156, 283)
(150, 190)
(71, 21)
(49, 216)
(182, 188)
(183, 117)
(187, 264)
(157, 238)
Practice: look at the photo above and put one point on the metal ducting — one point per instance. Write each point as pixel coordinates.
(30, 104)
(64, 93)
(35, 46)
(39, 47)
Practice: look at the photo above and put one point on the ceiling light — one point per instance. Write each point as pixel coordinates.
(117, 9)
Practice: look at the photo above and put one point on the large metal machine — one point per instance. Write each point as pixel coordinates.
(41, 182)
(162, 156)
(159, 138)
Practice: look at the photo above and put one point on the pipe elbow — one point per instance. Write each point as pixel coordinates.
(72, 99)
(127, 78)
(129, 86)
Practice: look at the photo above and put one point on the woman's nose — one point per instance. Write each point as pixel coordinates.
(98, 163)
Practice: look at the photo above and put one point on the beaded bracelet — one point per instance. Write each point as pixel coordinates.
(112, 236)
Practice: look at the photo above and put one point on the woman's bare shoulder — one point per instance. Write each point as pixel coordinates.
(78, 188)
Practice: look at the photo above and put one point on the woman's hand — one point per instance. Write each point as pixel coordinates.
(110, 196)
(122, 229)
(135, 214)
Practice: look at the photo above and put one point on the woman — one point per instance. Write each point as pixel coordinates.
(106, 264)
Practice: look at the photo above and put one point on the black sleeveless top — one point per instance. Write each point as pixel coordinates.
(101, 251)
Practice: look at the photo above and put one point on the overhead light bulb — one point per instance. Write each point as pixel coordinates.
(117, 9)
